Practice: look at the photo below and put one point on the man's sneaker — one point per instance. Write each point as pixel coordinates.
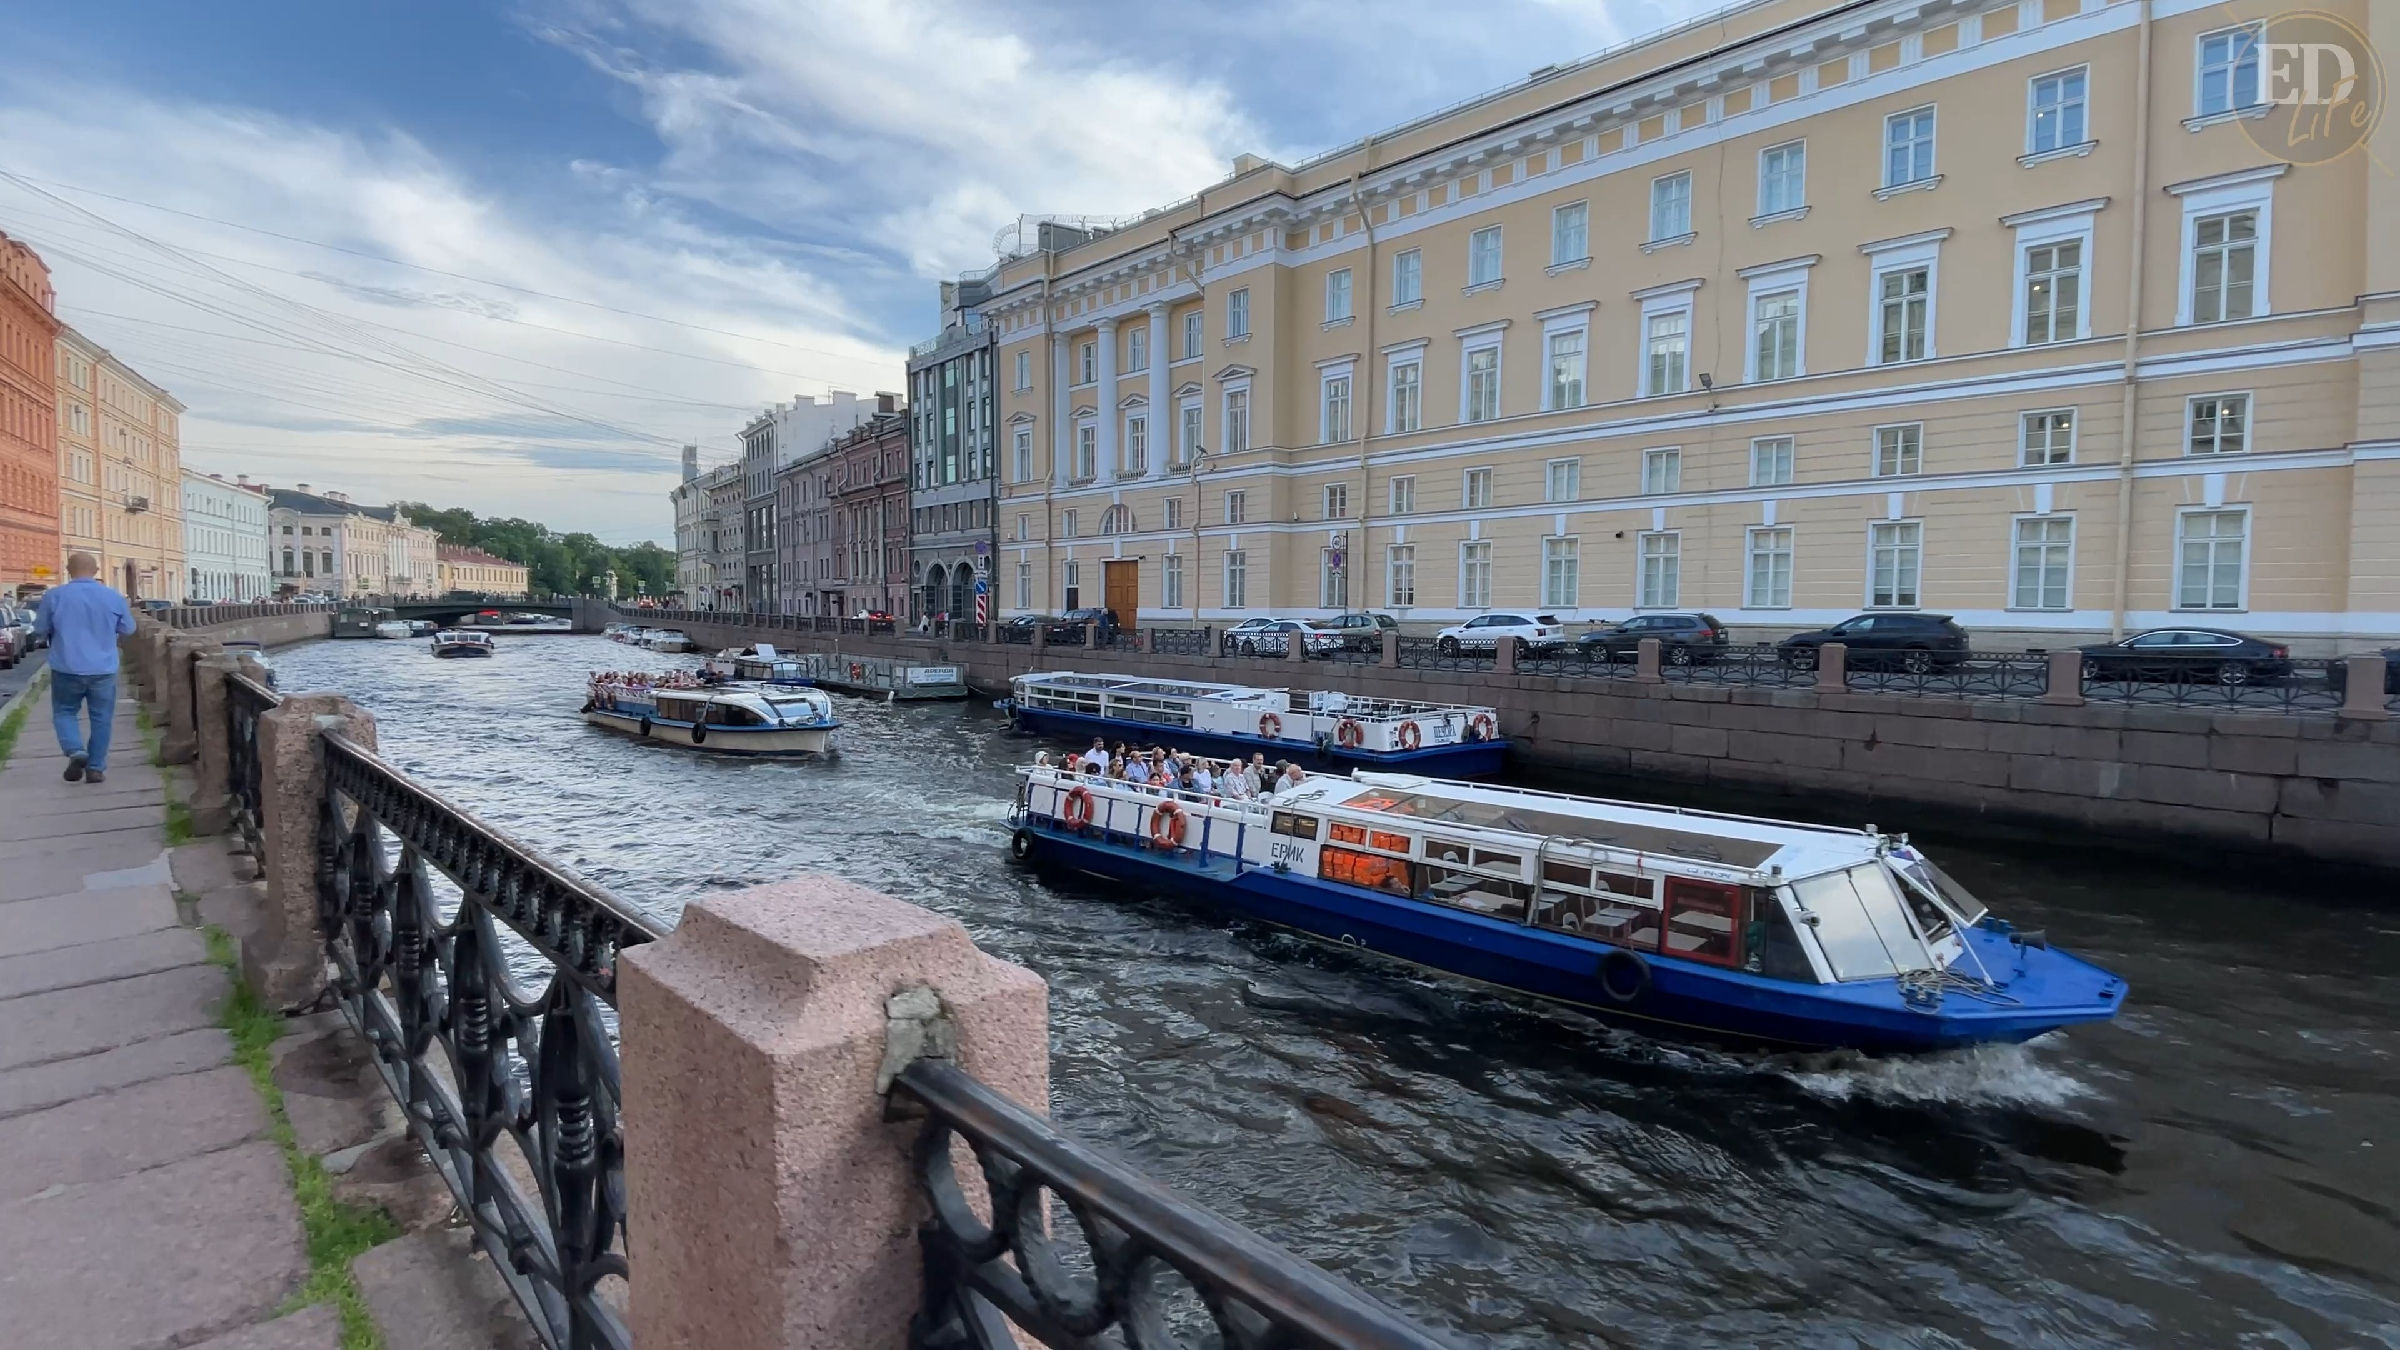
(75, 765)
(95, 776)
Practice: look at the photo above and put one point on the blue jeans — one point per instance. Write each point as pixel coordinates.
(67, 693)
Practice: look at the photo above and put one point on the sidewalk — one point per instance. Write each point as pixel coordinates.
(143, 1203)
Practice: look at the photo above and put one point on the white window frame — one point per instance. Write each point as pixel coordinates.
(1021, 452)
(1570, 233)
(1562, 479)
(1137, 444)
(1669, 596)
(1190, 426)
(1402, 494)
(1469, 481)
(1400, 566)
(1767, 208)
(1137, 348)
(1237, 314)
(2249, 423)
(1066, 523)
(1931, 141)
(1087, 363)
(1670, 207)
(1170, 513)
(1234, 577)
(2074, 223)
(2183, 514)
(2248, 190)
(1234, 413)
(1658, 303)
(1087, 450)
(1024, 584)
(1562, 572)
(1024, 370)
(1333, 579)
(1195, 334)
(2082, 104)
(1475, 566)
(2016, 547)
(1337, 403)
(2200, 68)
(1773, 279)
(1790, 452)
(1904, 255)
(2025, 421)
(1486, 245)
(1790, 539)
(1408, 278)
(1334, 498)
(1170, 580)
(1916, 599)
(1875, 467)
(1662, 471)
(1411, 359)
(1337, 296)
(1488, 339)
(1237, 506)
(1572, 322)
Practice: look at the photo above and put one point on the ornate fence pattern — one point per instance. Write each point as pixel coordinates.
(1180, 641)
(245, 699)
(1974, 675)
(2300, 686)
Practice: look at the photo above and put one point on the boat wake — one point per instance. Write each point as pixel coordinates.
(1983, 1075)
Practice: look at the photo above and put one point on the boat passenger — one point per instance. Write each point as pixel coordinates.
(1171, 773)
(1203, 783)
(1098, 754)
(1291, 777)
(1137, 772)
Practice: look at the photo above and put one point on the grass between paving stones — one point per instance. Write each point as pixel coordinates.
(336, 1230)
(179, 821)
(14, 723)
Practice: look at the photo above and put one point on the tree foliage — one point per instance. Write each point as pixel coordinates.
(557, 564)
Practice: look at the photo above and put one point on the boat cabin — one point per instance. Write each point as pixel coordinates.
(1302, 717)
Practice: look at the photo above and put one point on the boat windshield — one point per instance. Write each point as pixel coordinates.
(1527, 819)
(1862, 923)
(1961, 901)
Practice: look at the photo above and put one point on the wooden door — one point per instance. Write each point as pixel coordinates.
(1122, 591)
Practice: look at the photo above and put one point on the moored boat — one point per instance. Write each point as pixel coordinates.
(361, 621)
(665, 640)
(726, 719)
(761, 662)
(885, 677)
(1677, 922)
(1326, 727)
(455, 642)
(395, 628)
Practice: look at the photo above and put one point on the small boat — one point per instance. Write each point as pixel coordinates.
(665, 640)
(361, 621)
(1325, 727)
(451, 642)
(423, 628)
(883, 677)
(761, 662)
(1677, 922)
(736, 719)
(395, 628)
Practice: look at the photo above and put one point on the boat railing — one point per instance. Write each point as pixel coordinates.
(1394, 709)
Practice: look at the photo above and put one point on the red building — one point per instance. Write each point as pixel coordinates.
(864, 516)
(29, 547)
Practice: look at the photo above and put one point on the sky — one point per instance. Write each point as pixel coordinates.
(512, 256)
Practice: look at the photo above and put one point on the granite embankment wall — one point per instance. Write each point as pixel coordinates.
(2145, 779)
(269, 631)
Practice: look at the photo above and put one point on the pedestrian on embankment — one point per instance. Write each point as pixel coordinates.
(82, 621)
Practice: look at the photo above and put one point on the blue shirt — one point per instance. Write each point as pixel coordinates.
(83, 620)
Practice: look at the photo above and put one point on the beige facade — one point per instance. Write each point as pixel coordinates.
(322, 541)
(1819, 309)
(473, 570)
(120, 471)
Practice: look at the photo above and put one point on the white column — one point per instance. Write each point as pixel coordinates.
(1062, 431)
(1107, 401)
(1162, 415)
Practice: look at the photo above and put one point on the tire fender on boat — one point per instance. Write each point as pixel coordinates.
(1020, 846)
(645, 726)
(1409, 736)
(1624, 976)
(699, 734)
(1166, 826)
(1350, 734)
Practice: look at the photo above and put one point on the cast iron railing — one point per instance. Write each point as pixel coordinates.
(1180, 641)
(1141, 1243)
(2289, 686)
(245, 699)
(496, 1084)
(1963, 675)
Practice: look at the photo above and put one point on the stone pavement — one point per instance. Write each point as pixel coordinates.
(143, 1203)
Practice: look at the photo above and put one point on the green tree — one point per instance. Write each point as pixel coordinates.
(572, 564)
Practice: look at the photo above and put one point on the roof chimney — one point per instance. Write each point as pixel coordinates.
(300, 487)
(887, 403)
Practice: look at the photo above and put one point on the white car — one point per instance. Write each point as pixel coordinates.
(1541, 633)
(1273, 637)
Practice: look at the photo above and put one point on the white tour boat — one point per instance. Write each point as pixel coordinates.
(456, 642)
(666, 640)
(395, 628)
(760, 662)
(739, 719)
(1323, 726)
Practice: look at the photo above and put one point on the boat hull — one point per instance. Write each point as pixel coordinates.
(463, 649)
(760, 741)
(1469, 759)
(1680, 999)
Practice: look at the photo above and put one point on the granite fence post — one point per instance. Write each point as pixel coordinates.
(1295, 647)
(284, 961)
(212, 752)
(1833, 666)
(177, 744)
(2064, 687)
(776, 1204)
(1091, 635)
(1646, 655)
(2362, 689)
(1391, 649)
(1041, 636)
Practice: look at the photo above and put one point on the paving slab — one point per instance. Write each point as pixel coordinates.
(41, 1085)
(103, 815)
(434, 1291)
(331, 1091)
(164, 1257)
(98, 962)
(202, 866)
(66, 1023)
(50, 922)
(65, 873)
(129, 1130)
(107, 850)
(239, 909)
(43, 805)
(316, 1327)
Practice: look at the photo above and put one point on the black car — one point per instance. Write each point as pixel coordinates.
(1684, 639)
(1916, 643)
(1361, 632)
(2337, 673)
(2180, 654)
(1074, 619)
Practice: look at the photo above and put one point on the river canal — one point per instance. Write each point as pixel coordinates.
(2221, 1166)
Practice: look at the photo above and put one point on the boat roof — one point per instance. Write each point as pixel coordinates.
(1795, 849)
(1133, 684)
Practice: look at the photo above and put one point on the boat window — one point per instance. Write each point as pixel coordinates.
(1773, 946)
(1704, 921)
(1600, 918)
(1621, 883)
(1961, 900)
(1346, 834)
(1489, 895)
(1376, 873)
(1389, 842)
(733, 715)
(1931, 921)
(1294, 824)
(1511, 863)
(1567, 874)
(1860, 924)
(677, 709)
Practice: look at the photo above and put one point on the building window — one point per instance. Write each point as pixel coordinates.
(1074, 584)
(1562, 480)
(1771, 461)
(1565, 389)
(1237, 579)
(1782, 178)
(1087, 363)
(1477, 493)
(2044, 553)
(2210, 550)
(1024, 527)
(1908, 147)
(1475, 575)
(1116, 520)
(1173, 508)
(2220, 425)
(1662, 471)
(1400, 575)
(2224, 266)
(2049, 438)
(1661, 580)
(1769, 576)
(1137, 445)
(1171, 581)
(1666, 342)
(1195, 325)
(1903, 299)
(1087, 452)
(1570, 237)
(1670, 206)
(1407, 409)
(1137, 351)
(1775, 335)
(1066, 524)
(2053, 291)
(1895, 558)
(1899, 450)
(1337, 295)
(1408, 278)
(1404, 494)
(1561, 572)
(1333, 580)
(2228, 71)
(1024, 371)
(1333, 421)
(1187, 443)
(2055, 111)
(1021, 450)
(1024, 585)
(1482, 388)
(1237, 421)
(1236, 507)
(1483, 256)
(1237, 314)
(1337, 501)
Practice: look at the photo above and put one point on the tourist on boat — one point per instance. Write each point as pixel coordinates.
(1204, 783)
(1098, 754)
(1293, 776)
(1137, 772)
(1172, 768)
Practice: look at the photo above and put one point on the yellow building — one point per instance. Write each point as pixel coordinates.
(481, 573)
(1811, 309)
(120, 471)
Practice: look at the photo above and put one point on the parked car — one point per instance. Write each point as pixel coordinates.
(1275, 639)
(2179, 654)
(1075, 619)
(1361, 632)
(13, 647)
(1916, 643)
(2337, 674)
(1541, 633)
(1684, 639)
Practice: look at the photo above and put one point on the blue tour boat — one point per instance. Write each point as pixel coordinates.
(1676, 922)
(1321, 726)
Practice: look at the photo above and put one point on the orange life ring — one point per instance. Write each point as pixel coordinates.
(1166, 825)
(1350, 733)
(1486, 727)
(1078, 810)
(1269, 725)
(1409, 736)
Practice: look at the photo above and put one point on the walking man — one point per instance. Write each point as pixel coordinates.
(83, 620)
